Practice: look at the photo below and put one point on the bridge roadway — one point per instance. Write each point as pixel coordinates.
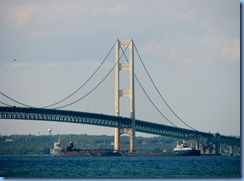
(41, 114)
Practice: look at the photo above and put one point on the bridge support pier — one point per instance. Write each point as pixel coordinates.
(217, 144)
(231, 150)
(116, 140)
(129, 66)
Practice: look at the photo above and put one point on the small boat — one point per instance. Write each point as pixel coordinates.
(184, 150)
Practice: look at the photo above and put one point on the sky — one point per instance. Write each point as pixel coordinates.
(190, 48)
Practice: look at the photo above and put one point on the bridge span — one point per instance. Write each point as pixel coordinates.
(23, 113)
(122, 125)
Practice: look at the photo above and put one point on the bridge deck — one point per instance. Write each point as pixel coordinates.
(105, 120)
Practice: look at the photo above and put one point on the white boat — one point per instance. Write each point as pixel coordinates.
(56, 150)
(184, 150)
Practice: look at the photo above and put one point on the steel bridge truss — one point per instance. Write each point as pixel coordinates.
(62, 116)
(40, 114)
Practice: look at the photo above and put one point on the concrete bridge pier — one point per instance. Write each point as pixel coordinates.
(217, 144)
(116, 140)
(231, 150)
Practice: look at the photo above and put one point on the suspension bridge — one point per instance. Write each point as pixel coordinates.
(124, 62)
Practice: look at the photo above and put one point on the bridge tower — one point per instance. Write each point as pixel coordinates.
(121, 47)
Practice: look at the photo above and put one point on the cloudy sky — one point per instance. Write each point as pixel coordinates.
(190, 48)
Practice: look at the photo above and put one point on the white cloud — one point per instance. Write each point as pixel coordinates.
(222, 46)
(118, 9)
(21, 15)
(184, 51)
(189, 15)
(43, 18)
(232, 50)
(53, 65)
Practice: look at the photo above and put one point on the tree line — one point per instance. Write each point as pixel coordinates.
(40, 145)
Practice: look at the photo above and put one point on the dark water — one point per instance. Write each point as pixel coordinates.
(166, 167)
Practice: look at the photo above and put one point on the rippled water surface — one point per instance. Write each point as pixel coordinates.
(166, 166)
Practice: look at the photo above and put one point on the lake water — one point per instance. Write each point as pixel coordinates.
(121, 167)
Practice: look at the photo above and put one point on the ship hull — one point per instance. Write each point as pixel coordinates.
(187, 152)
(57, 152)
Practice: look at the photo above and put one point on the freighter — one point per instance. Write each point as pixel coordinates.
(57, 150)
(184, 150)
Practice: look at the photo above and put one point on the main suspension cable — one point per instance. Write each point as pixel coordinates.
(159, 92)
(94, 87)
(85, 81)
(15, 100)
(70, 94)
(152, 102)
(89, 91)
(5, 104)
(148, 95)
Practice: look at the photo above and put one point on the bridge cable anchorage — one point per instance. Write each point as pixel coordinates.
(85, 81)
(160, 93)
(14, 100)
(94, 87)
(148, 95)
